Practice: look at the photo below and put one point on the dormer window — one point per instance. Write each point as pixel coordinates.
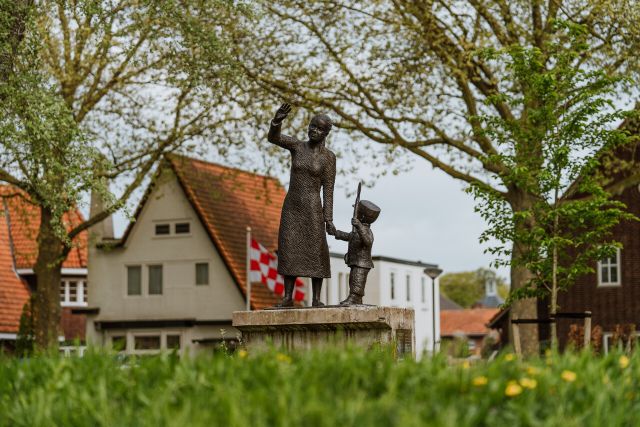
(182, 228)
(163, 229)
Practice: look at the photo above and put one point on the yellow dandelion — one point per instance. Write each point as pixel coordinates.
(465, 364)
(529, 383)
(480, 381)
(242, 353)
(532, 370)
(623, 361)
(283, 358)
(509, 357)
(568, 376)
(513, 389)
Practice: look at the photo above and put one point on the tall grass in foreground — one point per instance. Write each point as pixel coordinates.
(322, 388)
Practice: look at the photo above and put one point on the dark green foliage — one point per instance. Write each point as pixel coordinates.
(25, 340)
(468, 287)
(329, 388)
(562, 221)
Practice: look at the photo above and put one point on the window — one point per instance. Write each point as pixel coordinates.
(134, 280)
(146, 342)
(182, 228)
(119, 342)
(393, 286)
(173, 342)
(408, 288)
(347, 288)
(423, 290)
(155, 280)
(202, 273)
(609, 271)
(163, 229)
(72, 293)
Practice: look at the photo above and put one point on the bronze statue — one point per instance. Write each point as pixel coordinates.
(302, 242)
(358, 255)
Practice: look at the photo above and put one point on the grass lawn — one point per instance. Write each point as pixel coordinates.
(328, 388)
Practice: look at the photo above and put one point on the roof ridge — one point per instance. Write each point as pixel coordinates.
(172, 156)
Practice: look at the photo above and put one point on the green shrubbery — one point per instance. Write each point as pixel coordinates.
(328, 388)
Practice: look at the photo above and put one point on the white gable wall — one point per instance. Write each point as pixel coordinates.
(378, 292)
(181, 298)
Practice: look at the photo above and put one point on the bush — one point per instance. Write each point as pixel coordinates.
(323, 388)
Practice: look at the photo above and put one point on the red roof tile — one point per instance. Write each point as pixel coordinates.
(468, 322)
(228, 200)
(13, 291)
(24, 221)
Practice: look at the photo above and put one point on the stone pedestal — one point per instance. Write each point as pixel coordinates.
(307, 328)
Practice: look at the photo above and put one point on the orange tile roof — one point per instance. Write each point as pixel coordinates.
(227, 200)
(13, 291)
(469, 322)
(24, 222)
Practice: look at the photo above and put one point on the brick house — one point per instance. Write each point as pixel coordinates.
(612, 293)
(19, 223)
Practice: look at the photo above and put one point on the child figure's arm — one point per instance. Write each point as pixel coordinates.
(366, 236)
(341, 235)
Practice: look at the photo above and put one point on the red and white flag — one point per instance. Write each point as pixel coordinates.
(263, 267)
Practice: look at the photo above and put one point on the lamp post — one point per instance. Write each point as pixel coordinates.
(433, 272)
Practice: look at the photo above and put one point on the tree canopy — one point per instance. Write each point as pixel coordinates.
(96, 93)
(413, 77)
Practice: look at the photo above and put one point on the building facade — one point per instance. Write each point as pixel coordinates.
(19, 224)
(395, 283)
(174, 279)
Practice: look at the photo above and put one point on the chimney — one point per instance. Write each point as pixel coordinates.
(103, 229)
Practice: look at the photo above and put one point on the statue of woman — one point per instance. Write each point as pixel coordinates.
(302, 242)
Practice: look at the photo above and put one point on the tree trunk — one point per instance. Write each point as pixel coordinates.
(520, 277)
(46, 309)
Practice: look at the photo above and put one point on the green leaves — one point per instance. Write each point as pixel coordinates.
(557, 214)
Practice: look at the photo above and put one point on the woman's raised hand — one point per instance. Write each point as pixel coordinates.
(282, 113)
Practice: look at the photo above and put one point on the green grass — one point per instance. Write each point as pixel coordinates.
(328, 388)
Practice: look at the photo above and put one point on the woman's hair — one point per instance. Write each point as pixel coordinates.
(324, 118)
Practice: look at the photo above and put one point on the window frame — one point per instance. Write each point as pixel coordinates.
(126, 281)
(162, 224)
(175, 228)
(392, 285)
(618, 266)
(408, 284)
(208, 282)
(131, 334)
(81, 295)
(149, 267)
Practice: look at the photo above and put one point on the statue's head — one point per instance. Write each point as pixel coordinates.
(319, 128)
(368, 211)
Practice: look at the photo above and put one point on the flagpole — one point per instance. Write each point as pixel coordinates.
(248, 268)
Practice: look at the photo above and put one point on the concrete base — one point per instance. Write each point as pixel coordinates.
(307, 328)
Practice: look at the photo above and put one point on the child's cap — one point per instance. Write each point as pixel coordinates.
(368, 211)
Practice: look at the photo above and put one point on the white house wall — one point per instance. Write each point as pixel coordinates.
(378, 292)
(181, 298)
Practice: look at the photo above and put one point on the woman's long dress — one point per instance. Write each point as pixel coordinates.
(302, 240)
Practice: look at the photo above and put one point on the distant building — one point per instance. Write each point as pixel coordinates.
(491, 299)
(447, 304)
(397, 283)
(469, 324)
(19, 224)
